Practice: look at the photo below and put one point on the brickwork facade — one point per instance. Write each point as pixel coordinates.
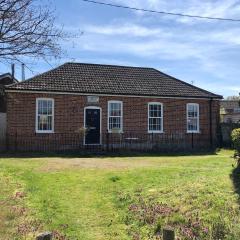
(69, 115)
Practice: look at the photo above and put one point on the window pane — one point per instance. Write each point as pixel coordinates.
(43, 122)
(192, 110)
(151, 124)
(49, 104)
(158, 124)
(155, 124)
(45, 103)
(114, 123)
(44, 110)
(192, 124)
(192, 117)
(49, 112)
(155, 110)
(155, 117)
(115, 115)
(49, 123)
(116, 106)
(115, 109)
(45, 118)
(193, 113)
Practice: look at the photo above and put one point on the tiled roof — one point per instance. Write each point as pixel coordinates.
(6, 79)
(112, 80)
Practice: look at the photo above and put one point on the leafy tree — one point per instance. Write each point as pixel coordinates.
(236, 143)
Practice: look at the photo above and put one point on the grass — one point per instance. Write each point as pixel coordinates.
(125, 197)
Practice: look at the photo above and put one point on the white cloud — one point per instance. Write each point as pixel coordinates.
(222, 8)
(162, 46)
(228, 36)
(209, 8)
(150, 4)
(236, 88)
(155, 41)
(207, 47)
(124, 29)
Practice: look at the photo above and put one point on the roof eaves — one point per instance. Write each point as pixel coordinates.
(115, 94)
(7, 75)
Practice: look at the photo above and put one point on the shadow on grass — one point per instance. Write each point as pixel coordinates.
(103, 154)
(235, 176)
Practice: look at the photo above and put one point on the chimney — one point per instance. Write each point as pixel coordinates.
(23, 71)
(13, 71)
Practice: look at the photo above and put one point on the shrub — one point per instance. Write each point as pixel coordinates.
(115, 178)
(158, 229)
(236, 143)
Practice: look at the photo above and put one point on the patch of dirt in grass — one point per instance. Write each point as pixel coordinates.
(16, 221)
(13, 211)
(58, 164)
(146, 217)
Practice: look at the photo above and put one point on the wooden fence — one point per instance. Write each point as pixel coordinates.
(3, 123)
(226, 130)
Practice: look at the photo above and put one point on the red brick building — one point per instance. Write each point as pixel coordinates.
(80, 105)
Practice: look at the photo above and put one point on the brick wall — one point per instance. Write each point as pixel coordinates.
(69, 115)
(3, 82)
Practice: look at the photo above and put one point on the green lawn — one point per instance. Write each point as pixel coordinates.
(126, 197)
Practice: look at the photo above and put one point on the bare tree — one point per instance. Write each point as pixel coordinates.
(27, 29)
(233, 97)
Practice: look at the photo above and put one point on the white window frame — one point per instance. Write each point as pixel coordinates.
(198, 117)
(36, 122)
(155, 131)
(121, 117)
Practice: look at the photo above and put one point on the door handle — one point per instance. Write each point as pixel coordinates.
(92, 128)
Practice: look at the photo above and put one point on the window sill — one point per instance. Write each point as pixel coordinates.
(115, 132)
(94, 144)
(155, 132)
(44, 132)
(190, 132)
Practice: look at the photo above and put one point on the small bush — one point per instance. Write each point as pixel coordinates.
(158, 229)
(236, 143)
(115, 178)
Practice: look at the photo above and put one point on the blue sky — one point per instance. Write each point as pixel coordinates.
(200, 51)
